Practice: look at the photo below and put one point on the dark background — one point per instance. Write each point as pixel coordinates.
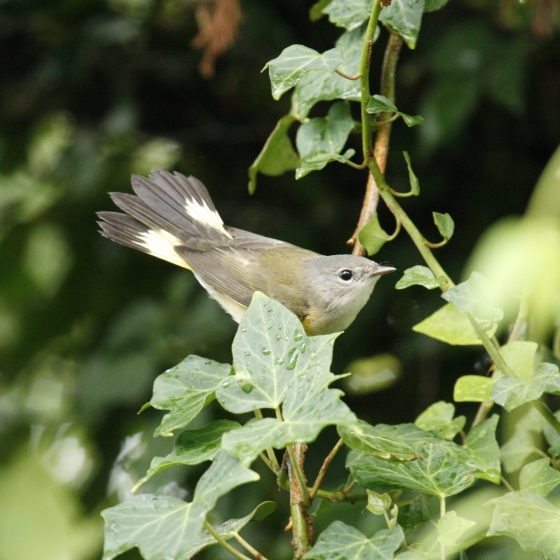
(92, 91)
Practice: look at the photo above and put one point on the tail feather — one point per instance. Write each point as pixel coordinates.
(132, 233)
(168, 211)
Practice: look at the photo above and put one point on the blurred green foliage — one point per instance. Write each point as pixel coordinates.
(92, 91)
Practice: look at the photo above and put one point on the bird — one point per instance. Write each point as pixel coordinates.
(172, 217)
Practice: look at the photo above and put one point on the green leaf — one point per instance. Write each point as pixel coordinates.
(318, 86)
(552, 437)
(411, 120)
(473, 388)
(316, 11)
(539, 477)
(442, 469)
(341, 541)
(321, 139)
(404, 17)
(378, 503)
(445, 225)
(450, 527)
(164, 526)
(413, 514)
(317, 162)
(414, 183)
(372, 374)
(229, 529)
(270, 351)
(450, 325)
(184, 390)
(530, 519)
(433, 5)
(384, 441)
(438, 418)
(349, 14)
(484, 449)
(419, 276)
(277, 155)
(519, 355)
(381, 104)
(511, 392)
(191, 448)
(309, 406)
(372, 236)
(288, 69)
(472, 296)
(522, 444)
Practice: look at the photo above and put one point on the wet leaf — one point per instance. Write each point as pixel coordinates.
(450, 527)
(484, 449)
(404, 17)
(539, 477)
(438, 418)
(419, 276)
(287, 69)
(473, 388)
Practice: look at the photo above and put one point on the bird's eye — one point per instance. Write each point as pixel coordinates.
(345, 275)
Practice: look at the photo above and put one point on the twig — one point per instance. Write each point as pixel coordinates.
(381, 149)
(344, 75)
(248, 547)
(224, 543)
(324, 467)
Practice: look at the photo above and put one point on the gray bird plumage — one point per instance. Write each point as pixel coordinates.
(173, 218)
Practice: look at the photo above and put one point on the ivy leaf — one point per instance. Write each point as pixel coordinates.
(442, 469)
(519, 355)
(381, 104)
(270, 350)
(229, 529)
(378, 503)
(372, 236)
(472, 296)
(438, 418)
(349, 14)
(286, 70)
(164, 526)
(511, 392)
(539, 477)
(552, 437)
(414, 513)
(277, 155)
(318, 86)
(433, 5)
(412, 120)
(450, 527)
(404, 17)
(339, 541)
(522, 444)
(419, 276)
(484, 449)
(321, 139)
(450, 325)
(530, 519)
(413, 180)
(309, 406)
(473, 388)
(316, 11)
(184, 390)
(191, 448)
(445, 225)
(384, 441)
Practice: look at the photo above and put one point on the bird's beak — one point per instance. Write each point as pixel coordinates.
(383, 270)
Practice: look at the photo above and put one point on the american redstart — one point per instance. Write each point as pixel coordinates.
(173, 218)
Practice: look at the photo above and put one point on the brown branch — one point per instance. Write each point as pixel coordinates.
(300, 523)
(381, 148)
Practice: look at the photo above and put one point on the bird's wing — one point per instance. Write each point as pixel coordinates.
(239, 272)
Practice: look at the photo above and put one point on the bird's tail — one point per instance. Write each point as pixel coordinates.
(168, 211)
